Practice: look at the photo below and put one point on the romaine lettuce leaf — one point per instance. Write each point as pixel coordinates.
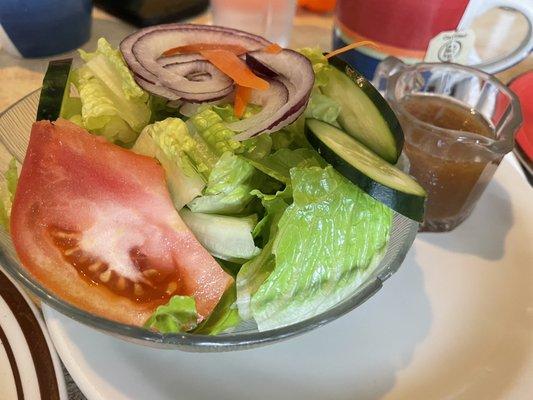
(112, 104)
(225, 237)
(320, 106)
(107, 64)
(328, 242)
(224, 317)
(254, 272)
(165, 141)
(257, 147)
(228, 188)
(178, 315)
(7, 193)
(278, 164)
(210, 126)
(225, 111)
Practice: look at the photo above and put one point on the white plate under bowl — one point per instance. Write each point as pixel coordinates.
(29, 366)
(456, 322)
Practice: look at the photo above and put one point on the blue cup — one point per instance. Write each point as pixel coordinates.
(40, 28)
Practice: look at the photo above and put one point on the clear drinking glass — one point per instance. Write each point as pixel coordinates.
(269, 18)
(454, 166)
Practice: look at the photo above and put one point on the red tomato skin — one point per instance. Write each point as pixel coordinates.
(68, 178)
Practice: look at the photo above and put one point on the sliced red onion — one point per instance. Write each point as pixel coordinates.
(271, 100)
(189, 109)
(142, 52)
(199, 67)
(260, 68)
(179, 58)
(156, 89)
(296, 74)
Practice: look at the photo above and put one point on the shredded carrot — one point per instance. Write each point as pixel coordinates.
(235, 68)
(350, 47)
(242, 98)
(198, 47)
(273, 48)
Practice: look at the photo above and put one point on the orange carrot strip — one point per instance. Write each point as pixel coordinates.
(273, 48)
(235, 68)
(350, 47)
(198, 47)
(242, 98)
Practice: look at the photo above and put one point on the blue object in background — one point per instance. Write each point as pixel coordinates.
(40, 28)
(363, 63)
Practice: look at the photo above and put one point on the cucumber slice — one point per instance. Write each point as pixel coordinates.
(371, 173)
(55, 84)
(365, 114)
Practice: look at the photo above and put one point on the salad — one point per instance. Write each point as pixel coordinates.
(199, 177)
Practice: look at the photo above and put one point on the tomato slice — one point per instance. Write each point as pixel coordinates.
(94, 223)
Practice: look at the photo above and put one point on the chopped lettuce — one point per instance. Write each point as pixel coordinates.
(291, 137)
(328, 242)
(224, 317)
(227, 114)
(212, 129)
(225, 237)
(7, 192)
(278, 164)
(166, 141)
(320, 64)
(320, 106)
(178, 315)
(253, 273)
(228, 188)
(257, 147)
(112, 104)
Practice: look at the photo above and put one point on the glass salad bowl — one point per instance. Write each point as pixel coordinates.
(15, 127)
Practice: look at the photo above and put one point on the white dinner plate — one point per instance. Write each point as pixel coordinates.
(29, 367)
(455, 322)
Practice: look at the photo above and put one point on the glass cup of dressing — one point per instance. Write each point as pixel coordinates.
(458, 124)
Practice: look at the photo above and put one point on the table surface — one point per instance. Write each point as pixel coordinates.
(19, 77)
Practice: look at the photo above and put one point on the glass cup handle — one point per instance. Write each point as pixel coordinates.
(385, 69)
(478, 7)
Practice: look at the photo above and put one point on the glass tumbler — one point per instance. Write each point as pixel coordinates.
(454, 166)
(269, 18)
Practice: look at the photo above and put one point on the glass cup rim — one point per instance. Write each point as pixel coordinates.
(501, 146)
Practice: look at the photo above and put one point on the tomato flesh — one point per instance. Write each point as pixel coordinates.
(94, 223)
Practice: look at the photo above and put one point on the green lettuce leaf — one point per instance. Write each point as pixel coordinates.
(211, 127)
(320, 64)
(225, 237)
(108, 65)
(292, 136)
(254, 272)
(178, 315)
(112, 104)
(228, 188)
(7, 192)
(256, 148)
(279, 164)
(322, 107)
(224, 317)
(170, 143)
(329, 241)
(226, 112)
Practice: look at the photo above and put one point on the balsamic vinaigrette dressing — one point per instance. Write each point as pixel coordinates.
(451, 174)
